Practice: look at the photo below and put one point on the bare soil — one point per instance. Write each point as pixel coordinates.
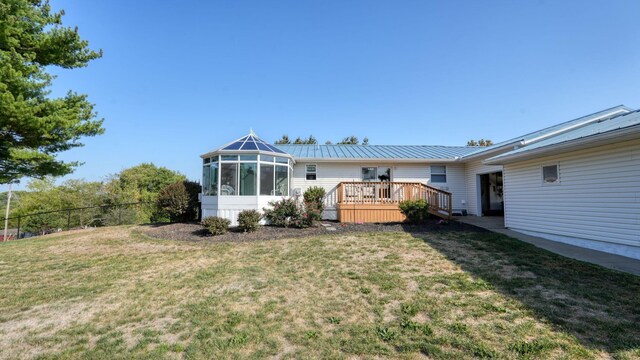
(194, 232)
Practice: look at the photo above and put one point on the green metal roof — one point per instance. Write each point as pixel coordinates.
(417, 152)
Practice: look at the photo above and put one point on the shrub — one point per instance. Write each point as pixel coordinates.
(249, 220)
(416, 211)
(180, 200)
(314, 204)
(314, 194)
(216, 225)
(285, 212)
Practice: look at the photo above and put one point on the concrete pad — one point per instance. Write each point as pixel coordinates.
(611, 261)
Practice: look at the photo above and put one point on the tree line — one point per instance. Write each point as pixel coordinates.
(353, 140)
(349, 140)
(165, 195)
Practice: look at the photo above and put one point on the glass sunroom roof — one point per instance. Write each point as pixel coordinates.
(251, 142)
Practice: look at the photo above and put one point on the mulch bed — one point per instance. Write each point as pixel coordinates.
(195, 232)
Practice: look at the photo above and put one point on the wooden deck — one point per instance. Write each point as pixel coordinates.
(362, 201)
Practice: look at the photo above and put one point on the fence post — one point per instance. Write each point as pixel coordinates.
(119, 214)
(18, 232)
(68, 219)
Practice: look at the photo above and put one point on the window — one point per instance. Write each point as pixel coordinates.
(228, 178)
(210, 179)
(229, 157)
(438, 174)
(266, 158)
(205, 180)
(213, 179)
(282, 160)
(550, 174)
(369, 174)
(248, 157)
(384, 173)
(311, 173)
(248, 178)
(282, 181)
(266, 179)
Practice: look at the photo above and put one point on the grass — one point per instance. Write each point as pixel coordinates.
(115, 293)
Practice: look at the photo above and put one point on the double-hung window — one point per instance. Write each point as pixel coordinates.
(311, 172)
(438, 174)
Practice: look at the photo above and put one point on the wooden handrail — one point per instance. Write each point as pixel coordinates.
(387, 192)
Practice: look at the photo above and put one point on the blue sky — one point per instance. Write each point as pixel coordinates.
(180, 78)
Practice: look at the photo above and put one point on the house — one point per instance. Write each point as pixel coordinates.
(575, 182)
(579, 186)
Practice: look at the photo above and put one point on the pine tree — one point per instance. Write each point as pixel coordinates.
(33, 127)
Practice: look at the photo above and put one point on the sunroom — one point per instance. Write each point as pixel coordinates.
(245, 174)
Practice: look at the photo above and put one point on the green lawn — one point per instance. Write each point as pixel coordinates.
(115, 293)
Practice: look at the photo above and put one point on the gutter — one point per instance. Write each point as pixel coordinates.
(622, 134)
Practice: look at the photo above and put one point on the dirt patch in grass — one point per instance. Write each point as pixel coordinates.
(195, 232)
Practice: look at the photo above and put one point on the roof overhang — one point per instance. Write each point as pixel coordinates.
(590, 119)
(496, 150)
(605, 138)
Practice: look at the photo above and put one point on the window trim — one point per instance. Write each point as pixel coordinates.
(431, 173)
(544, 182)
(307, 172)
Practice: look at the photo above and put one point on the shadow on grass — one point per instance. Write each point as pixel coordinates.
(600, 307)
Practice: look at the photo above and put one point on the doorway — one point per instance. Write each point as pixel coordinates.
(491, 194)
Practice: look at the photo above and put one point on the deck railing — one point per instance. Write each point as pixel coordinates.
(385, 192)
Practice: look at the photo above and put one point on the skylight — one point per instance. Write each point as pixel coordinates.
(251, 142)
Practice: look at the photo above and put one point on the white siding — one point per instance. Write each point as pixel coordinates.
(330, 174)
(229, 207)
(411, 173)
(596, 204)
(455, 183)
(472, 170)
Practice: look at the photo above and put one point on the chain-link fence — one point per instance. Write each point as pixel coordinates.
(40, 223)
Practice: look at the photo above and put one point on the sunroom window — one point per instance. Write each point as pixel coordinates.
(213, 179)
(282, 181)
(210, 176)
(266, 179)
(248, 178)
(228, 178)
